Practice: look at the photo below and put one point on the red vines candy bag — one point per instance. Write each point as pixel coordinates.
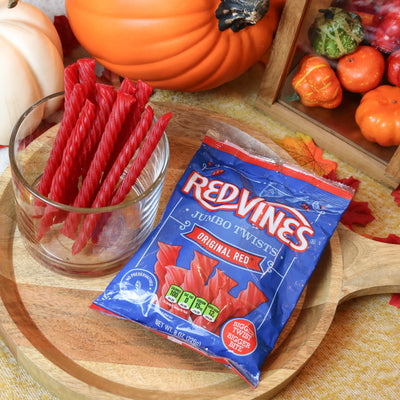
(226, 265)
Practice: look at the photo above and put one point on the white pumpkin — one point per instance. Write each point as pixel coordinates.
(31, 62)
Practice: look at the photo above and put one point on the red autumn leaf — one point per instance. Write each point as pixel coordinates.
(358, 213)
(351, 182)
(304, 151)
(392, 238)
(67, 37)
(396, 195)
(395, 300)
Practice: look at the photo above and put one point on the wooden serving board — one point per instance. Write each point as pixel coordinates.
(79, 353)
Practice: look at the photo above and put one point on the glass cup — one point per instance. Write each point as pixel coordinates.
(120, 229)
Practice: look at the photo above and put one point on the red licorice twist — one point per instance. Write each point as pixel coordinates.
(71, 114)
(109, 183)
(141, 159)
(118, 114)
(70, 80)
(167, 255)
(142, 92)
(86, 74)
(105, 97)
(106, 190)
(61, 178)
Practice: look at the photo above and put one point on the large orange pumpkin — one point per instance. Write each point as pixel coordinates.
(170, 44)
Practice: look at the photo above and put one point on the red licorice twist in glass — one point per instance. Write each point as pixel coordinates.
(142, 92)
(61, 177)
(86, 74)
(141, 159)
(105, 98)
(107, 188)
(72, 110)
(70, 80)
(90, 184)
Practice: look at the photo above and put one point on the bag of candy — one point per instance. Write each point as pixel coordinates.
(226, 265)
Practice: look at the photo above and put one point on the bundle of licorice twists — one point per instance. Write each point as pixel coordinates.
(102, 129)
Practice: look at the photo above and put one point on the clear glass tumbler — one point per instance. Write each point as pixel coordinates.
(120, 230)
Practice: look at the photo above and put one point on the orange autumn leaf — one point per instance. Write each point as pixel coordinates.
(304, 151)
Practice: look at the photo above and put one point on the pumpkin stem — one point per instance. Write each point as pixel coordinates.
(328, 13)
(238, 14)
(12, 3)
(294, 97)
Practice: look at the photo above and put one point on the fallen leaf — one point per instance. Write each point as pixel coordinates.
(67, 37)
(396, 195)
(358, 213)
(351, 182)
(304, 151)
(395, 300)
(392, 238)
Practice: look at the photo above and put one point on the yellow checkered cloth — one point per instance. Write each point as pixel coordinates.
(360, 355)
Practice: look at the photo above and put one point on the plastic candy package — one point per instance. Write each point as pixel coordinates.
(226, 265)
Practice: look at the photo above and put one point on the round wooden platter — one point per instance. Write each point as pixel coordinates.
(79, 353)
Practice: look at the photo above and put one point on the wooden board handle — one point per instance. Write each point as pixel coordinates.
(370, 266)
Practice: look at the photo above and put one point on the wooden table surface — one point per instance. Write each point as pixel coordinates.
(74, 352)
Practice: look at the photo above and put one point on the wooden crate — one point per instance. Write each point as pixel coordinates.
(333, 130)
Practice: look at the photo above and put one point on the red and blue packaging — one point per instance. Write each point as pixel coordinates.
(225, 267)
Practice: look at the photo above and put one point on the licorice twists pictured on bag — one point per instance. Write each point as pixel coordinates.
(225, 267)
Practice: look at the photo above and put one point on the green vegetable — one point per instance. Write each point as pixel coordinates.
(335, 32)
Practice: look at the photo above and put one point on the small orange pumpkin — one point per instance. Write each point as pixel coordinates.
(316, 83)
(378, 115)
(170, 44)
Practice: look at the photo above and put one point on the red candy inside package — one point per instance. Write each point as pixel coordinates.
(225, 267)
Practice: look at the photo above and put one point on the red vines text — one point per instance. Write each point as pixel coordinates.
(286, 223)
